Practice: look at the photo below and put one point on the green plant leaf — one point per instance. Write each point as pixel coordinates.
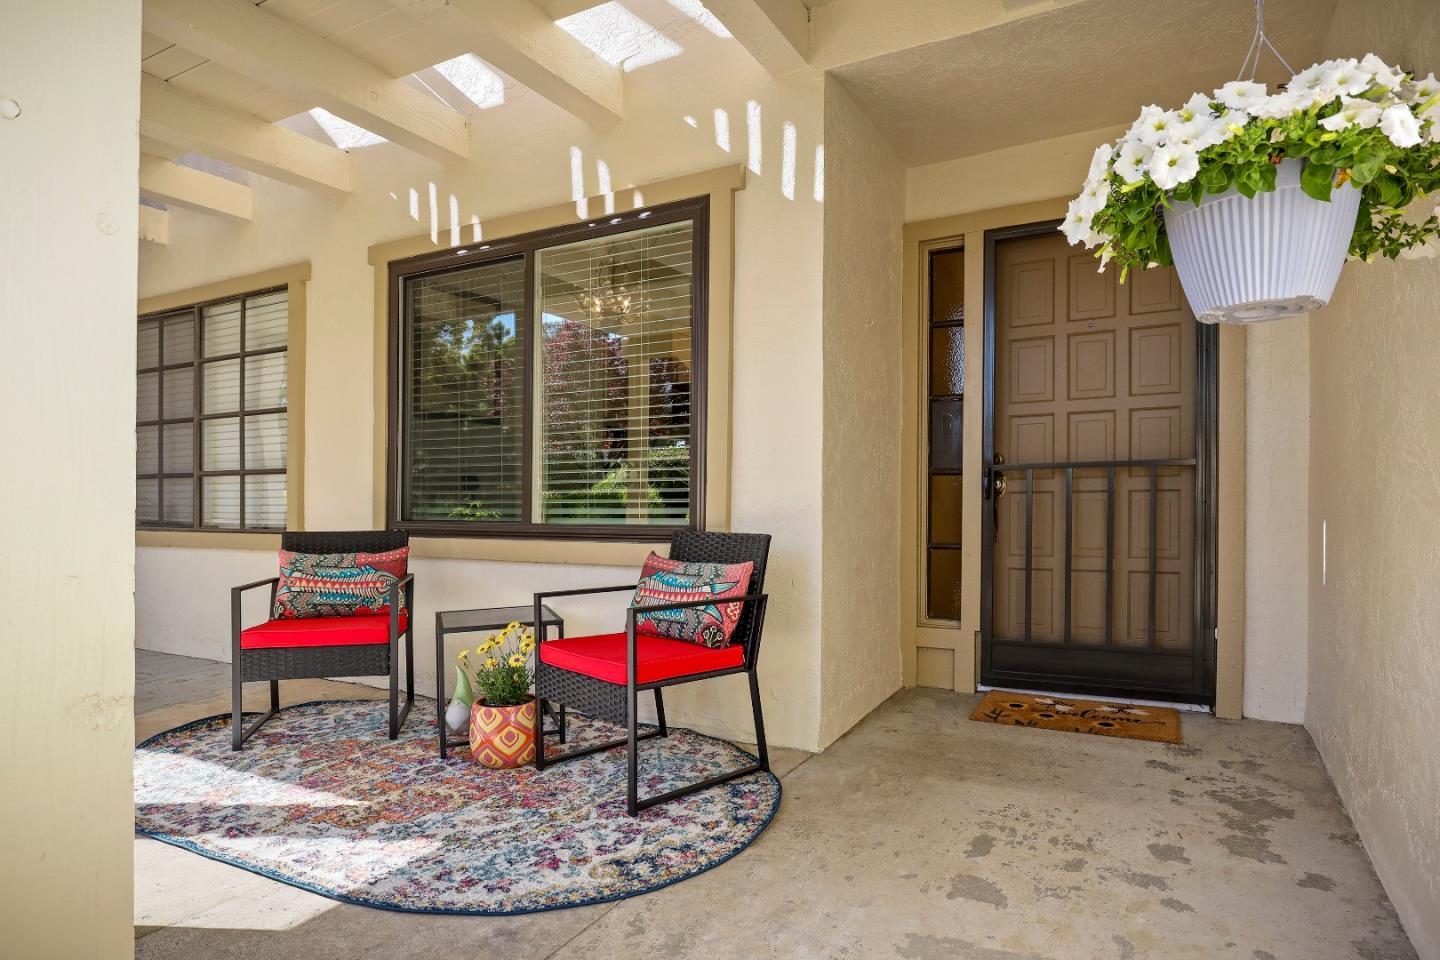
(1317, 180)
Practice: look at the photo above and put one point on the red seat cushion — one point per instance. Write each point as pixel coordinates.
(656, 658)
(319, 632)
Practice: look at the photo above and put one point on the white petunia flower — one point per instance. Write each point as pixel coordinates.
(1241, 94)
(1424, 250)
(1311, 78)
(1130, 163)
(1196, 108)
(1354, 113)
(1346, 79)
(1281, 105)
(1400, 125)
(1385, 75)
(1171, 166)
(1154, 125)
(1077, 225)
(1426, 88)
(1100, 163)
(1094, 197)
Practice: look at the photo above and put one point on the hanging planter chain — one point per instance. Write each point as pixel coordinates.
(1258, 44)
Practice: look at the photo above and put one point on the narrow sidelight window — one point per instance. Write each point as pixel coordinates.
(946, 330)
(550, 385)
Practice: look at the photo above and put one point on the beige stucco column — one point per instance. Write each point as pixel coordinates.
(69, 111)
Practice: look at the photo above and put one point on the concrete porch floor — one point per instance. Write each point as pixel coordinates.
(919, 835)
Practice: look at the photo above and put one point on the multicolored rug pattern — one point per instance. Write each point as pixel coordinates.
(1126, 720)
(320, 799)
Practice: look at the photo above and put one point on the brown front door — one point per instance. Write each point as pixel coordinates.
(1097, 502)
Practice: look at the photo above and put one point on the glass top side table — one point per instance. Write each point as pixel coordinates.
(488, 620)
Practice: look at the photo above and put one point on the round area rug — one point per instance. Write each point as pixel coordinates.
(320, 799)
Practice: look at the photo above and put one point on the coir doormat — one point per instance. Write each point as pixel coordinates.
(1161, 724)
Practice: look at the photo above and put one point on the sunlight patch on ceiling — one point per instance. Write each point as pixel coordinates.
(469, 74)
(619, 37)
(696, 11)
(343, 133)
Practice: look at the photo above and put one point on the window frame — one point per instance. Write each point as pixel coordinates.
(197, 417)
(527, 245)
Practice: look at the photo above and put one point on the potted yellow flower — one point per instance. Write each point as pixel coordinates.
(502, 718)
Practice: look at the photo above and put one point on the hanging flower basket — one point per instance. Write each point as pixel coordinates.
(1257, 199)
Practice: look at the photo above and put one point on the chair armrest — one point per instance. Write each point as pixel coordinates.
(709, 602)
(392, 599)
(235, 594)
(236, 591)
(542, 597)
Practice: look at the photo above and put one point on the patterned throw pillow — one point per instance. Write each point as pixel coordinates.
(677, 581)
(337, 584)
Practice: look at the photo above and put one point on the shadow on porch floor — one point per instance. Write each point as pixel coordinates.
(918, 835)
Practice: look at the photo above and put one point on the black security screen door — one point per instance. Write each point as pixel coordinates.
(1097, 571)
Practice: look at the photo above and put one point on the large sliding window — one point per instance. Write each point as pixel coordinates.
(550, 385)
(211, 415)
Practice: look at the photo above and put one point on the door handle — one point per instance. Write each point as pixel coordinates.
(997, 486)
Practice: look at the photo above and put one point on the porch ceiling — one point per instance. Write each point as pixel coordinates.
(1078, 67)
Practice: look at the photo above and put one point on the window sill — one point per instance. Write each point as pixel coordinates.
(207, 539)
(514, 550)
(532, 550)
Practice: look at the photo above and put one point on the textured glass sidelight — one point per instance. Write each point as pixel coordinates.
(945, 415)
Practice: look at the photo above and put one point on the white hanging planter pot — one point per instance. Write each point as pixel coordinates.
(1276, 254)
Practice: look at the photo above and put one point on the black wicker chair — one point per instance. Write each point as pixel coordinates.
(373, 659)
(613, 700)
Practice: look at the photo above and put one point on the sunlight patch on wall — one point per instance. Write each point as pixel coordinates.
(619, 37)
(722, 129)
(819, 192)
(470, 75)
(343, 133)
(787, 161)
(696, 11)
(434, 215)
(752, 135)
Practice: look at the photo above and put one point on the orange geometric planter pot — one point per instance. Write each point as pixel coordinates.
(503, 737)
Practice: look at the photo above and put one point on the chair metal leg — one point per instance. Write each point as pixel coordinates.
(237, 737)
(762, 749)
(239, 733)
(660, 713)
(394, 695)
(632, 757)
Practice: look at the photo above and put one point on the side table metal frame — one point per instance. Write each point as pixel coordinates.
(556, 715)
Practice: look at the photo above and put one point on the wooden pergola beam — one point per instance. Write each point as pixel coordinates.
(227, 133)
(154, 226)
(193, 189)
(775, 32)
(520, 39)
(284, 55)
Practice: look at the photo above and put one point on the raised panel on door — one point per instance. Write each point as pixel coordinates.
(1093, 409)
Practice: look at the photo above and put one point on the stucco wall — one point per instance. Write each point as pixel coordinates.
(1374, 658)
(521, 160)
(67, 248)
(860, 615)
(1277, 464)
